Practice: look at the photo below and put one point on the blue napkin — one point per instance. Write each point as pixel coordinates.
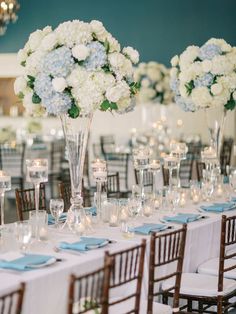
(182, 218)
(51, 219)
(147, 228)
(84, 244)
(219, 207)
(26, 262)
(233, 199)
(91, 210)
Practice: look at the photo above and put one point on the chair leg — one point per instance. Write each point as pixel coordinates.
(219, 305)
(200, 307)
(189, 306)
(165, 299)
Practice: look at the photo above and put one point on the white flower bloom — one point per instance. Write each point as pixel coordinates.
(221, 65)
(59, 84)
(132, 54)
(99, 30)
(49, 42)
(114, 46)
(188, 56)
(77, 77)
(80, 52)
(173, 72)
(36, 38)
(120, 90)
(22, 55)
(20, 85)
(187, 76)
(216, 89)
(33, 64)
(120, 64)
(183, 90)
(123, 103)
(201, 97)
(103, 80)
(206, 65)
(174, 61)
(234, 95)
(145, 82)
(153, 74)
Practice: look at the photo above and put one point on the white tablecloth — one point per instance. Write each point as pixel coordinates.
(47, 288)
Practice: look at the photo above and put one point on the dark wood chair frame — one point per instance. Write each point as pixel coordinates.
(25, 200)
(94, 288)
(133, 271)
(9, 299)
(165, 249)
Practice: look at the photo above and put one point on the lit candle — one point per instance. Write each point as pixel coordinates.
(219, 190)
(195, 199)
(154, 165)
(182, 201)
(123, 216)
(147, 211)
(113, 220)
(79, 228)
(43, 233)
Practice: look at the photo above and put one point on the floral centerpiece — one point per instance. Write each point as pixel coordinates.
(154, 80)
(204, 78)
(70, 72)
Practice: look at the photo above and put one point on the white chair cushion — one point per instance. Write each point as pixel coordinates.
(200, 285)
(211, 267)
(124, 307)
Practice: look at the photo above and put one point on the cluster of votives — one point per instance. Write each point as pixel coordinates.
(99, 168)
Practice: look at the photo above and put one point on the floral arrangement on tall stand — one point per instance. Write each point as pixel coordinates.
(70, 72)
(205, 78)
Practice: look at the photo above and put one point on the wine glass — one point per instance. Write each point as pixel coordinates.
(23, 234)
(56, 209)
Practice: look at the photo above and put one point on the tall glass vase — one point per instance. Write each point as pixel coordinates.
(215, 119)
(76, 132)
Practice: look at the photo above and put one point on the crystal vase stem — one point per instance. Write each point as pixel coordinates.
(2, 207)
(155, 180)
(142, 193)
(99, 200)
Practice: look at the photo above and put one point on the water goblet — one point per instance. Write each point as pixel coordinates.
(56, 209)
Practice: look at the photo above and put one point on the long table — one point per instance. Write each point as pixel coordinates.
(47, 288)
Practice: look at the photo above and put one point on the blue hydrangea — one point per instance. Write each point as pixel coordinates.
(57, 104)
(43, 86)
(174, 85)
(209, 51)
(97, 57)
(58, 62)
(185, 104)
(204, 80)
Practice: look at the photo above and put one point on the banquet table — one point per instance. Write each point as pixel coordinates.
(47, 288)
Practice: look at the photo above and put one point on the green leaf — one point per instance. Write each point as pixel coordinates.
(189, 86)
(113, 106)
(67, 91)
(107, 45)
(31, 81)
(105, 105)
(36, 99)
(106, 68)
(23, 63)
(94, 36)
(134, 87)
(21, 95)
(231, 104)
(74, 111)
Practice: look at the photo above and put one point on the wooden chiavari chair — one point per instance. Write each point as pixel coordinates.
(165, 249)
(91, 291)
(205, 288)
(147, 179)
(127, 270)
(113, 185)
(225, 155)
(107, 143)
(25, 201)
(12, 302)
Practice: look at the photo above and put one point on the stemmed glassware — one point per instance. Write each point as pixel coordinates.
(154, 167)
(99, 168)
(174, 198)
(141, 158)
(5, 185)
(23, 234)
(56, 209)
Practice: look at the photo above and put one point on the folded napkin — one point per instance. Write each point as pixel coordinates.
(84, 244)
(147, 228)
(51, 219)
(233, 199)
(219, 207)
(91, 210)
(182, 218)
(26, 262)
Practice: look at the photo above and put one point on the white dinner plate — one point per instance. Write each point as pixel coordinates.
(49, 262)
(177, 222)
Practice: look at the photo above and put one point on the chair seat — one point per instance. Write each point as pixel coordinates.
(124, 307)
(200, 285)
(211, 267)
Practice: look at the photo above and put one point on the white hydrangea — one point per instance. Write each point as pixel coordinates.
(114, 46)
(33, 63)
(80, 52)
(36, 38)
(174, 61)
(49, 42)
(77, 77)
(117, 92)
(20, 85)
(120, 64)
(188, 56)
(99, 30)
(201, 97)
(59, 84)
(132, 54)
(103, 80)
(22, 55)
(216, 89)
(221, 65)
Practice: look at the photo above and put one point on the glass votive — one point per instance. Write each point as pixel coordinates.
(113, 213)
(148, 208)
(127, 230)
(39, 223)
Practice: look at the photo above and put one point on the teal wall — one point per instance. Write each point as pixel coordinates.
(157, 28)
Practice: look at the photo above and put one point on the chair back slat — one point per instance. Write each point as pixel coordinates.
(113, 185)
(11, 302)
(166, 249)
(127, 268)
(90, 291)
(25, 201)
(147, 179)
